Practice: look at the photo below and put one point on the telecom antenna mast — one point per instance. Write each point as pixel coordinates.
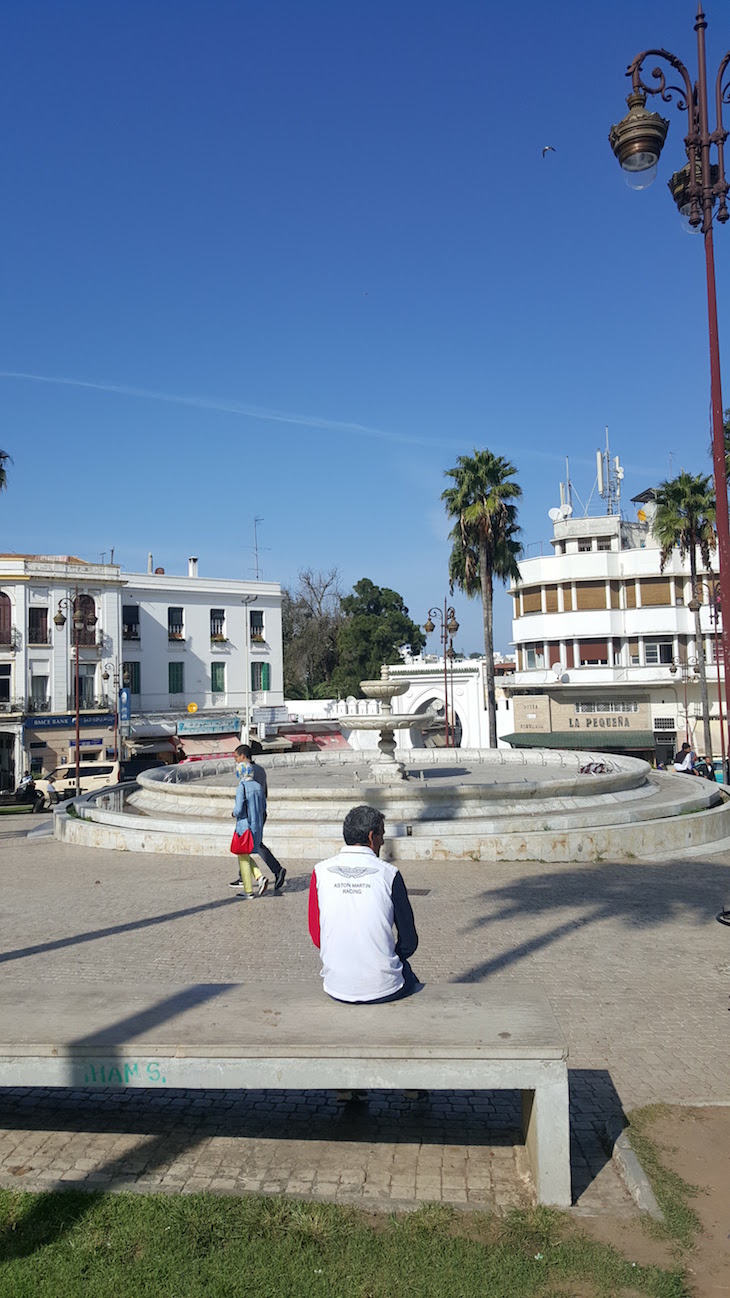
(609, 476)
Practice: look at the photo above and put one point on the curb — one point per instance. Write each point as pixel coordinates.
(630, 1169)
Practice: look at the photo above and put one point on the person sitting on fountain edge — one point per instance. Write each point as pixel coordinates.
(355, 900)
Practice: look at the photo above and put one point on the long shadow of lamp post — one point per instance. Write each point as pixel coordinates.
(637, 142)
(84, 619)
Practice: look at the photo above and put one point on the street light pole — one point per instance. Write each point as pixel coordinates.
(637, 143)
(82, 621)
(246, 601)
(685, 665)
(448, 627)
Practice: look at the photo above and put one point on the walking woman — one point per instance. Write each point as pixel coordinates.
(249, 812)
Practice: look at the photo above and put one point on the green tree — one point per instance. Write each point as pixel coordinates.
(685, 520)
(485, 541)
(4, 460)
(311, 617)
(375, 624)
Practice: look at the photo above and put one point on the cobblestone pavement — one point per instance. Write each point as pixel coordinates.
(630, 955)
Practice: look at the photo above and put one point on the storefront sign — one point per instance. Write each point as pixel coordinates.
(60, 723)
(86, 743)
(208, 726)
(275, 716)
(125, 705)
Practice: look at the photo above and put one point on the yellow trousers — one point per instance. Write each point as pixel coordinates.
(248, 871)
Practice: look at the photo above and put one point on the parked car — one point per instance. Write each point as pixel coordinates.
(132, 766)
(92, 776)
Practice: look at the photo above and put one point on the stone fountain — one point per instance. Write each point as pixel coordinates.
(386, 770)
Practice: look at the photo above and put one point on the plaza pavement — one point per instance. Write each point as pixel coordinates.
(631, 956)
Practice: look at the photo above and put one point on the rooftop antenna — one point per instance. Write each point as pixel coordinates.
(609, 476)
(258, 519)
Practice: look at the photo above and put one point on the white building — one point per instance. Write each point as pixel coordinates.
(606, 643)
(201, 657)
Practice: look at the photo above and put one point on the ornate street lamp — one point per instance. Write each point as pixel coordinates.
(82, 620)
(690, 670)
(637, 143)
(447, 629)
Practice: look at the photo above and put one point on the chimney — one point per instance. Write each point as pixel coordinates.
(192, 567)
(149, 562)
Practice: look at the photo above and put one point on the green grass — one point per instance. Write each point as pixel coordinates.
(673, 1194)
(203, 1246)
(16, 809)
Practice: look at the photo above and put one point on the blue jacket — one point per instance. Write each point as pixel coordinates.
(250, 794)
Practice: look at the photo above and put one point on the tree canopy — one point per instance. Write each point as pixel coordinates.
(375, 624)
(485, 542)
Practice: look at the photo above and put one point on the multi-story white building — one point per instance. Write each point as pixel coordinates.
(201, 658)
(605, 642)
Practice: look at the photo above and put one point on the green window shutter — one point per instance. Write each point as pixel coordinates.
(265, 676)
(175, 678)
(218, 678)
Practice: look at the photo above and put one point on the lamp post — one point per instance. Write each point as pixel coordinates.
(685, 666)
(713, 590)
(637, 143)
(82, 621)
(111, 672)
(448, 628)
(246, 601)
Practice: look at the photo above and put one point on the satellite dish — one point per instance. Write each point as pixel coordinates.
(565, 511)
(553, 515)
(641, 515)
(558, 668)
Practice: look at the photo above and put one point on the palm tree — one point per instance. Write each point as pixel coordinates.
(685, 519)
(4, 459)
(484, 539)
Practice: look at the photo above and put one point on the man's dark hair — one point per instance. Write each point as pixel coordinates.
(243, 750)
(360, 823)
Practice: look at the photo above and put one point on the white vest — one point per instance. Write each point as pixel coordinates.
(355, 898)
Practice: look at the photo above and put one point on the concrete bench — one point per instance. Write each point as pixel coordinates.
(455, 1037)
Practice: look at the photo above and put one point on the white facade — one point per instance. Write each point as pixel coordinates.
(212, 644)
(597, 624)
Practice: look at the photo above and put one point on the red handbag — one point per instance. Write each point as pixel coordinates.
(242, 844)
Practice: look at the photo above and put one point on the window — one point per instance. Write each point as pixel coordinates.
(664, 723)
(634, 653)
(4, 682)
(218, 678)
(551, 599)
(175, 678)
(260, 676)
(87, 675)
(584, 547)
(84, 605)
(39, 693)
(257, 624)
(130, 677)
(567, 598)
(657, 652)
(590, 595)
(175, 624)
(38, 626)
(130, 621)
(631, 594)
(603, 543)
(655, 592)
(615, 588)
(534, 656)
(4, 618)
(593, 653)
(217, 624)
(532, 600)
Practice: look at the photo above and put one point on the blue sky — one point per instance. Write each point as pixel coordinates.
(290, 259)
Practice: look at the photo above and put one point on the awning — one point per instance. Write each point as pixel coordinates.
(210, 745)
(141, 746)
(597, 740)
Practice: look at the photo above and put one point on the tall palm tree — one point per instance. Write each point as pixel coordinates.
(4, 459)
(685, 520)
(485, 544)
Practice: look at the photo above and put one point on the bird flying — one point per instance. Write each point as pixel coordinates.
(548, 149)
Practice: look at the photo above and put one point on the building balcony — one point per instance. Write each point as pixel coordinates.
(86, 704)
(39, 638)
(14, 706)
(176, 639)
(10, 640)
(39, 705)
(130, 634)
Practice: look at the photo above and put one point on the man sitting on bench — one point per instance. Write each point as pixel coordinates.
(355, 901)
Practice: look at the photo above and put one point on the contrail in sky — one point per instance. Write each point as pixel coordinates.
(273, 416)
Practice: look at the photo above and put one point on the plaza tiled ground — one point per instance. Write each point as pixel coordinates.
(630, 955)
